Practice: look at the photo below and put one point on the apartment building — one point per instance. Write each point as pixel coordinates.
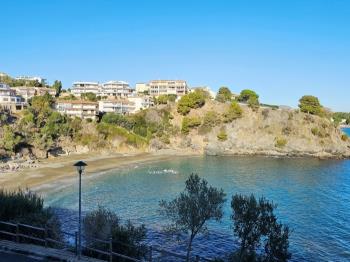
(116, 105)
(141, 102)
(116, 89)
(10, 100)
(78, 108)
(31, 78)
(79, 88)
(168, 87)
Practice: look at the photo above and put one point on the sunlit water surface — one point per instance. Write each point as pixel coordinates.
(313, 198)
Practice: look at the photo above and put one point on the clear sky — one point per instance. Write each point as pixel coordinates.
(281, 49)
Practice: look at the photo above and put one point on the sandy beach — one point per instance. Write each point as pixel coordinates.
(55, 172)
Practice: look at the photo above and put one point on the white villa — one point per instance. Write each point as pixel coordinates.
(28, 92)
(119, 106)
(9, 100)
(79, 88)
(168, 87)
(142, 87)
(78, 108)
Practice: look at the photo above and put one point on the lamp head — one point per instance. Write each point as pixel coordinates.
(80, 165)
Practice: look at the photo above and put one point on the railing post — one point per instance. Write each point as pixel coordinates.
(76, 242)
(46, 235)
(110, 249)
(17, 233)
(150, 254)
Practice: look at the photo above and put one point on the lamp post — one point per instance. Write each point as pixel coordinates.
(80, 165)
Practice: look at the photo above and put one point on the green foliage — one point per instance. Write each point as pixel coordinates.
(256, 225)
(234, 112)
(224, 94)
(222, 135)
(344, 137)
(210, 120)
(163, 99)
(188, 123)
(127, 239)
(310, 105)
(9, 139)
(280, 142)
(193, 208)
(246, 94)
(89, 96)
(320, 132)
(339, 116)
(253, 103)
(190, 101)
(70, 97)
(57, 85)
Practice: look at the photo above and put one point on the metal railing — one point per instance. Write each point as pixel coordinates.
(23, 233)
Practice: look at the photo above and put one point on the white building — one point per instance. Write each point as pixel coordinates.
(119, 106)
(142, 87)
(79, 88)
(168, 87)
(78, 108)
(211, 93)
(141, 102)
(116, 88)
(9, 100)
(31, 78)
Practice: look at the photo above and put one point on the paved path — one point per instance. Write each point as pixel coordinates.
(48, 254)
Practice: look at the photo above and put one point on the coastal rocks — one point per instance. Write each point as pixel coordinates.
(15, 165)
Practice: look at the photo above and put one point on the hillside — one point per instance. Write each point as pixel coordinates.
(209, 127)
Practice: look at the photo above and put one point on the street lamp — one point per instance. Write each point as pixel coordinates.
(80, 165)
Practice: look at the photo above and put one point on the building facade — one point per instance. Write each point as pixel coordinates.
(116, 89)
(79, 88)
(29, 92)
(9, 100)
(119, 106)
(78, 108)
(168, 87)
(142, 88)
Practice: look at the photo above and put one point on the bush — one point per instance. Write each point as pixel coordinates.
(89, 96)
(163, 99)
(234, 112)
(222, 135)
(253, 103)
(280, 142)
(127, 239)
(310, 105)
(188, 123)
(246, 94)
(224, 94)
(190, 101)
(344, 137)
(286, 130)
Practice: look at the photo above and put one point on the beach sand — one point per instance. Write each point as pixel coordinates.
(56, 171)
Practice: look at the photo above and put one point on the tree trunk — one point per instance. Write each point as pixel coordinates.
(189, 249)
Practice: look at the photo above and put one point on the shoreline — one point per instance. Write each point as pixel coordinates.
(58, 171)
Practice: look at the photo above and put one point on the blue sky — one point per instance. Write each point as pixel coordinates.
(281, 49)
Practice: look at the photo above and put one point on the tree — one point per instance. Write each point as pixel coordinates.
(193, 100)
(193, 208)
(127, 239)
(246, 94)
(224, 94)
(9, 139)
(57, 85)
(310, 104)
(255, 224)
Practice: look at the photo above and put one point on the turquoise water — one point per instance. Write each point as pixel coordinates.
(313, 198)
(347, 131)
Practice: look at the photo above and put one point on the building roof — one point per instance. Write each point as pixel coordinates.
(167, 81)
(77, 102)
(116, 82)
(85, 83)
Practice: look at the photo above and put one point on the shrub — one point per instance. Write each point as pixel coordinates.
(190, 101)
(188, 123)
(280, 142)
(234, 112)
(344, 137)
(246, 94)
(222, 135)
(253, 103)
(310, 105)
(126, 238)
(287, 130)
(163, 99)
(224, 94)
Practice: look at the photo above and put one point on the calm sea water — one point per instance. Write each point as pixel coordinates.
(347, 131)
(313, 198)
